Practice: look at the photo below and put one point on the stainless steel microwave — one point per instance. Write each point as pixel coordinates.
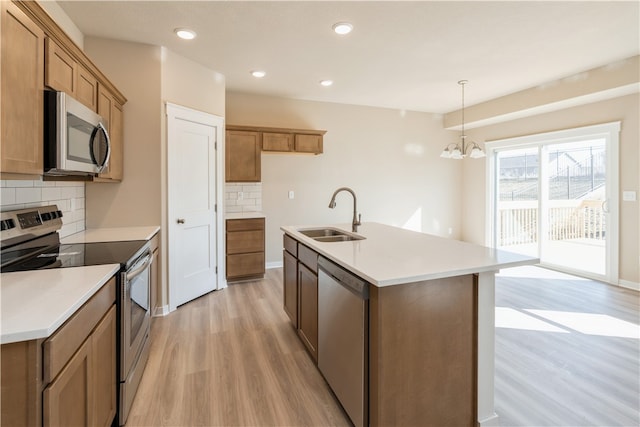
(76, 141)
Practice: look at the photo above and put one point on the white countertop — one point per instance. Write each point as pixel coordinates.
(392, 256)
(36, 303)
(243, 215)
(116, 234)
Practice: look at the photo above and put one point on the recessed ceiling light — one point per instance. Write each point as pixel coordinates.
(342, 28)
(185, 33)
(326, 82)
(258, 73)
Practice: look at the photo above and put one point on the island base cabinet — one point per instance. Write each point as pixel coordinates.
(423, 359)
(290, 291)
(308, 300)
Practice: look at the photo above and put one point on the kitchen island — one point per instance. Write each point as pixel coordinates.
(431, 321)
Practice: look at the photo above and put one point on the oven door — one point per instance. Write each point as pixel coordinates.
(135, 312)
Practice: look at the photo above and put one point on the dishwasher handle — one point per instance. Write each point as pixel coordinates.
(349, 281)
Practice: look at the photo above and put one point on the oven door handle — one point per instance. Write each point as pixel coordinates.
(132, 274)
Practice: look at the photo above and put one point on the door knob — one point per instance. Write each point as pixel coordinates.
(180, 221)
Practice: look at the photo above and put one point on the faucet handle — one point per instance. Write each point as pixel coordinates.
(359, 219)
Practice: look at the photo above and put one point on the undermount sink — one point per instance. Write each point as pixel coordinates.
(329, 235)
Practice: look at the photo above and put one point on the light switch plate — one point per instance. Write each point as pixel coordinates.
(291, 194)
(629, 196)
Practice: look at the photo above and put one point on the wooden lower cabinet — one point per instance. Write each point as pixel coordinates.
(103, 343)
(290, 291)
(308, 301)
(68, 379)
(300, 291)
(67, 401)
(245, 248)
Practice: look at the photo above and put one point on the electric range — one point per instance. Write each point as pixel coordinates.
(30, 241)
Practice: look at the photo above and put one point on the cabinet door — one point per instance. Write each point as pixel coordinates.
(60, 69)
(277, 141)
(242, 156)
(308, 320)
(104, 370)
(22, 88)
(111, 112)
(67, 401)
(290, 284)
(308, 143)
(87, 88)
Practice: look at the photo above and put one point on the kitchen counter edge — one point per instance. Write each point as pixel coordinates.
(379, 257)
(36, 303)
(112, 234)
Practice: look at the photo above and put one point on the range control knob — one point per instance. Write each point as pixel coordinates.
(46, 216)
(58, 214)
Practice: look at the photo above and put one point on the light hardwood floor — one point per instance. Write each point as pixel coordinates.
(231, 358)
(582, 368)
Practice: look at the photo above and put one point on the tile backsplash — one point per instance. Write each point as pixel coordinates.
(68, 195)
(243, 197)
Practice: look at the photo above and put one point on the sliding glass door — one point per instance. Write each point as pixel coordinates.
(555, 197)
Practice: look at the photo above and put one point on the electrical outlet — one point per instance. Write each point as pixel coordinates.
(240, 195)
(291, 194)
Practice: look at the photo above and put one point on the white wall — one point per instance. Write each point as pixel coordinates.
(134, 68)
(390, 158)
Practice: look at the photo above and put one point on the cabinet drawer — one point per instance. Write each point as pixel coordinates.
(277, 141)
(241, 265)
(68, 338)
(308, 257)
(245, 224)
(245, 241)
(291, 245)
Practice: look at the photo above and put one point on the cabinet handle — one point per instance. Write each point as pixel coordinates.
(180, 221)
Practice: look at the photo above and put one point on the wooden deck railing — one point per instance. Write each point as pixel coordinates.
(568, 219)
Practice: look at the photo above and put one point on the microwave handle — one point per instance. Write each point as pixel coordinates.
(100, 128)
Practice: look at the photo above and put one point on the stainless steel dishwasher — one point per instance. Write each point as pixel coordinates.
(343, 338)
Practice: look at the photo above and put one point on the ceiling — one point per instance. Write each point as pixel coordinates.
(401, 54)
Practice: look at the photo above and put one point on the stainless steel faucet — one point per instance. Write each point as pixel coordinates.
(332, 204)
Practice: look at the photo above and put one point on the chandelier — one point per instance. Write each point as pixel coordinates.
(459, 151)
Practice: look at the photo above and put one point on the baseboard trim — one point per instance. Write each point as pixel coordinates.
(270, 265)
(491, 421)
(629, 284)
(161, 311)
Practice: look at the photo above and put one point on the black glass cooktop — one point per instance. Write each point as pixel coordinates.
(75, 255)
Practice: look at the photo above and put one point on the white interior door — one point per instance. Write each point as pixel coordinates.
(191, 166)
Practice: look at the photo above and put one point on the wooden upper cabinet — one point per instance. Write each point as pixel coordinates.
(111, 112)
(87, 88)
(242, 156)
(22, 92)
(37, 54)
(277, 141)
(63, 73)
(285, 140)
(308, 143)
(60, 69)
